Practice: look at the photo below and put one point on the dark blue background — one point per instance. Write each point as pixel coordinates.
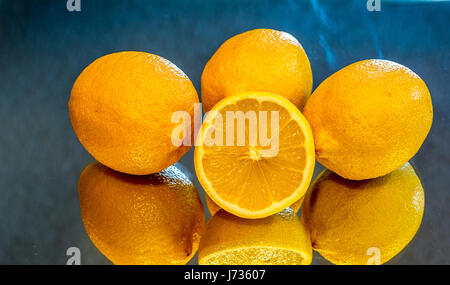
(43, 48)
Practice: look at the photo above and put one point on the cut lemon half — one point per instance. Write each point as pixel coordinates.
(280, 239)
(254, 154)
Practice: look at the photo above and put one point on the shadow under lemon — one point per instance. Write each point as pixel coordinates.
(151, 219)
(366, 221)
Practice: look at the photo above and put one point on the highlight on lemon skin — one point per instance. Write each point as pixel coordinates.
(153, 219)
(375, 111)
(213, 208)
(280, 239)
(348, 219)
(255, 180)
(121, 107)
(262, 60)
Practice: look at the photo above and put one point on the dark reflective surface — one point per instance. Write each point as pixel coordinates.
(43, 48)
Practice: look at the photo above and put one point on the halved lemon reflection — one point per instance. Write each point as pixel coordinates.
(151, 219)
(280, 239)
(363, 222)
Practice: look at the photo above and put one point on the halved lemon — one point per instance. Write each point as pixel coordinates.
(254, 154)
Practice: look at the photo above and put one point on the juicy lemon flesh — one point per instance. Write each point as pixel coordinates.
(255, 177)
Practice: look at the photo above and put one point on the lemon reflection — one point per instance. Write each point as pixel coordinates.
(151, 219)
(352, 221)
(280, 239)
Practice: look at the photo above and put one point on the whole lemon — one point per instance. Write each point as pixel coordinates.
(258, 60)
(361, 222)
(121, 108)
(153, 219)
(369, 118)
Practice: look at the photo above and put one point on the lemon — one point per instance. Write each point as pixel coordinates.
(255, 180)
(263, 60)
(369, 118)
